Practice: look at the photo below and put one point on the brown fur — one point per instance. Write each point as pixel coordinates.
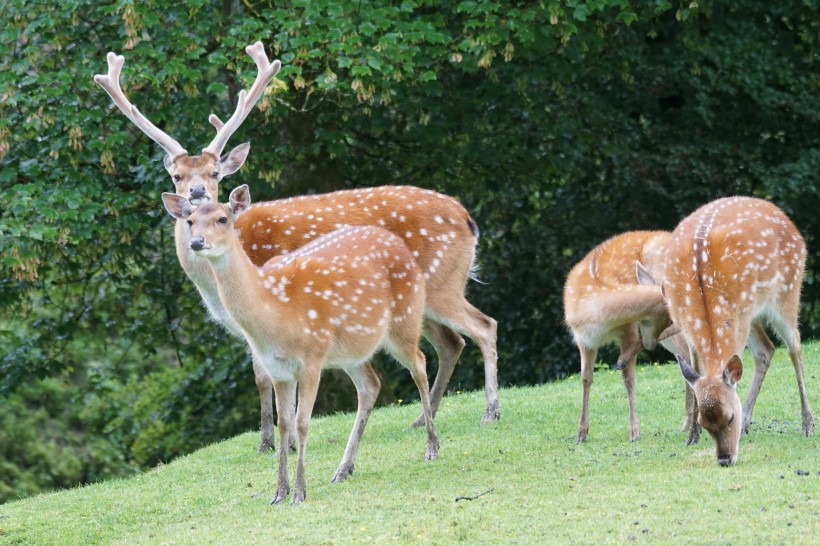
(733, 264)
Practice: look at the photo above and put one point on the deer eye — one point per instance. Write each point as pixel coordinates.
(732, 418)
(190, 223)
(223, 220)
(177, 178)
(215, 175)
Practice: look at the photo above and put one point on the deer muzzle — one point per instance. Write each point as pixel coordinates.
(197, 243)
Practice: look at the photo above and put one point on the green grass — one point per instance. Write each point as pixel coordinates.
(539, 485)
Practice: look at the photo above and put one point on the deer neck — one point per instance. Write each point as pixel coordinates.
(241, 291)
(201, 274)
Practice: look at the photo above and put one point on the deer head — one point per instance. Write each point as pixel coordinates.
(196, 177)
(719, 409)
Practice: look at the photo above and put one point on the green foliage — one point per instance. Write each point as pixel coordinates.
(557, 124)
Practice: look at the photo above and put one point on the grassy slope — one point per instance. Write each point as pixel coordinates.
(544, 487)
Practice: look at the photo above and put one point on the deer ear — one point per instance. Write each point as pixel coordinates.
(733, 371)
(168, 162)
(233, 160)
(643, 275)
(690, 375)
(176, 205)
(240, 200)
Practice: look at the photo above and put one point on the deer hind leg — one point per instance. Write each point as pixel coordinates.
(786, 328)
(403, 345)
(448, 346)
(762, 349)
(631, 345)
(457, 312)
(588, 356)
(367, 389)
(285, 404)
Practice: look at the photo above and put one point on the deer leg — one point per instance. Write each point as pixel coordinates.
(457, 312)
(308, 389)
(587, 368)
(367, 390)
(788, 332)
(448, 346)
(419, 372)
(285, 401)
(629, 353)
(689, 408)
(630, 347)
(403, 345)
(695, 429)
(265, 386)
(762, 350)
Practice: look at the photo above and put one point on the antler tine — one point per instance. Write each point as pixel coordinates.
(266, 70)
(224, 133)
(111, 83)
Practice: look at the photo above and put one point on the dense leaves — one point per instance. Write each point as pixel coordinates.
(557, 124)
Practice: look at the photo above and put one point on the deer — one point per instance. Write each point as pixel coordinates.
(605, 303)
(732, 266)
(439, 231)
(330, 304)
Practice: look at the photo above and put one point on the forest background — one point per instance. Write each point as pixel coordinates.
(557, 125)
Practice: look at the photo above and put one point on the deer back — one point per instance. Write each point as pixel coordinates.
(728, 262)
(436, 228)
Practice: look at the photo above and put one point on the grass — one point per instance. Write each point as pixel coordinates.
(532, 482)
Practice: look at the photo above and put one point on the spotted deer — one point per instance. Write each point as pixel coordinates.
(437, 229)
(733, 265)
(604, 303)
(330, 304)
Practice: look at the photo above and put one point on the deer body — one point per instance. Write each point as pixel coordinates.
(332, 303)
(732, 265)
(438, 231)
(603, 303)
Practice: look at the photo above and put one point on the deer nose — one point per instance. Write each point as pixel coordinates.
(197, 243)
(197, 191)
(724, 460)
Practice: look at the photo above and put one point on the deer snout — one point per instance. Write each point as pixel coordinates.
(196, 192)
(197, 243)
(724, 460)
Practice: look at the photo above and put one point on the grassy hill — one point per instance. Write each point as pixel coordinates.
(531, 482)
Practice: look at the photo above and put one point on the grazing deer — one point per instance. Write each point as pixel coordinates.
(437, 229)
(604, 303)
(732, 265)
(330, 304)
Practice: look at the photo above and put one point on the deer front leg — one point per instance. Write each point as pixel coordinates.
(285, 401)
(630, 347)
(689, 408)
(265, 386)
(587, 368)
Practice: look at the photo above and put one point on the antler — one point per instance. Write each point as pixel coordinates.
(111, 83)
(266, 72)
